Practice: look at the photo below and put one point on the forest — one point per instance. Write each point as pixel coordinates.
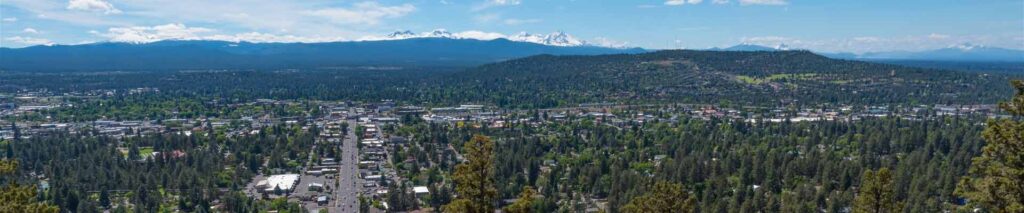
(728, 166)
(87, 173)
(684, 164)
(777, 78)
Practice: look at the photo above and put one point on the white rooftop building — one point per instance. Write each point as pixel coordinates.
(421, 190)
(284, 181)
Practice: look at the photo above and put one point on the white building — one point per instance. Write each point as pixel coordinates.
(286, 182)
(421, 190)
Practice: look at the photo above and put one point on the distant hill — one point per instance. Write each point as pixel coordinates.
(181, 55)
(962, 52)
(751, 47)
(738, 77)
(1006, 67)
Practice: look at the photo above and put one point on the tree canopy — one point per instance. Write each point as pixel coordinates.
(995, 180)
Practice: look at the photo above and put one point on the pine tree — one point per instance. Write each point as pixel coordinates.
(17, 132)
(474, 178)
(995, 181)
(877, 193)
(663, 197)
(17, 198)
(105, 198)
(524, 203)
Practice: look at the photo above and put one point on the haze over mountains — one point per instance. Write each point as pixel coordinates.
(561, 39)
(176, 55)
(960, 52)
(401, 48)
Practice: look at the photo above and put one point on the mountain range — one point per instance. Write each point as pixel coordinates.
(960, 52)
(403, 50)
(559, 38)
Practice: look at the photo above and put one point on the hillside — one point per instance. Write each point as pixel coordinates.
(184, 55)
(758, 78)
(766, 78)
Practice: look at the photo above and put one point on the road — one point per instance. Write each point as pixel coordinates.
(348, 192)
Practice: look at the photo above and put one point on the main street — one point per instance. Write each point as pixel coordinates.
(348, 192)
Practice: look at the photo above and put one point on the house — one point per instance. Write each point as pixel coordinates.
(420, 190)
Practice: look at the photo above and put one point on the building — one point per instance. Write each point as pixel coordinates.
(322, 200)
(420, 190)
(316, 187)
(285, 182)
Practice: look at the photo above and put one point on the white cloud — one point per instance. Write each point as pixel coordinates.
(719, 1)
(606, 42)
(513, 21)
(866, 39)
(30, 30)
(29, 40)
(495, 3)
(484, 18)
(506, 2)
(154, 33)
(369, 13)
(937, 36)
(93, 5)
(11, 19)
(763, 2)
(178, 31)
(479, 35)
(258, 37)
(682, 2)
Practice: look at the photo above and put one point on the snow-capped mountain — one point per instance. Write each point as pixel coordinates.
(406, 34)
(401, 35)
(957, 52)
(560, 39)
(782, 46)
(966, 46)
(553, 39)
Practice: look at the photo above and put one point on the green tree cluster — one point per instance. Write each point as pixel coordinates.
(877, 193)
(17, 198)
(474, 178)
(995, 181)
(663, 197)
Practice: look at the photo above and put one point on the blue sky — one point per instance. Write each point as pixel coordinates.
(822, 25)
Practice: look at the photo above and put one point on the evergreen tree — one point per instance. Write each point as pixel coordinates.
(524, 203)
(133, 152)
(16, 198)
(995, 181)
(474, 178)
(877, 193)
(663, 197)
(105, 198)
(17, 132)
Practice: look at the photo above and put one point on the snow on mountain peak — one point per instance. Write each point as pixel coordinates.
(966, 46)
(561, 39)
(401, 35)
(554, 39)
(782, 46)
(558, 38)
(438, 33)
